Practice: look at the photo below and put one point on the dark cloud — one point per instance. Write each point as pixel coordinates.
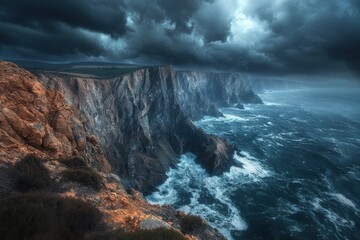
(180, 12)
(64, 41)
(213, 23)
(145, 11)
(275, 37)
(46, 29)
(310, 35)
(95, 15)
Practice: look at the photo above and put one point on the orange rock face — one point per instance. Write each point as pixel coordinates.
(35, 120)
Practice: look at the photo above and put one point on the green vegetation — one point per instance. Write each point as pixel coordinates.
(32, 174)
(98, 69)
(102, 72)
(38, 213)
(191, 223)
(73, 162)
(83, 175)
(45, 216)
(157, 234)
(79, 172)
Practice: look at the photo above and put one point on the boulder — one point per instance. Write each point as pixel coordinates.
(239, 106)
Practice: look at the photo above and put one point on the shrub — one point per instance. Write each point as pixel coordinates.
(44, 216)
(191, 223)
(73, 162)
(156, 234)
(85, 176)
(33, 175)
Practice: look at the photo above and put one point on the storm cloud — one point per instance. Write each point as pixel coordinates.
(267, 37)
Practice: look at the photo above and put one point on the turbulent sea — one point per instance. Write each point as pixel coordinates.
(300, 174)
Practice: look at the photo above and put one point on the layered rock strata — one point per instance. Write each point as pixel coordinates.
(141, 121)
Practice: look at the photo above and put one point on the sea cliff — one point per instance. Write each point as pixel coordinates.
(143, 120)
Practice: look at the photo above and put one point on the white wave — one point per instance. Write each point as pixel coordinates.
(225, 222)
(331, 216)
(343, 200)
(249, 166)
(234, 118)
(274, 136)
(288, 134)
(273, 104)
(316, 203)
(193, 191)
(167, 193)
(289, 208)
(250, 172)
(209, 119)
(164, 194)
(298, 120)
(263, 117)
(295, 229)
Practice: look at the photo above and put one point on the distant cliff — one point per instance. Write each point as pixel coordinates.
(141, 119)
(200, 93)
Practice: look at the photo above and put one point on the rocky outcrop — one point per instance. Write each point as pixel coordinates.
(200, 93)
(39, 121)
(140, 124)
(213, 153)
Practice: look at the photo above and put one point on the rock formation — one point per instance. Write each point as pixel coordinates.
(200, 93)
(55, 124)
(36, 120)
(138, 124)
(141, 120)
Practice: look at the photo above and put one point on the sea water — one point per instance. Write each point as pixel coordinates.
(300, 174)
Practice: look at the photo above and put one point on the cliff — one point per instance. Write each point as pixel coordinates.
(56, 126)
(141, 121)
(201, 93)
(135, 125)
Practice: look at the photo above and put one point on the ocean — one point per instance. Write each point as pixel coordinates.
(300, 174)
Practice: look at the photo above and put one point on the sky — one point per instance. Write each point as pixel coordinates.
(275, 37)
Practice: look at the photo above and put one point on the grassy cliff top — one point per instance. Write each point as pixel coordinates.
(102, 70)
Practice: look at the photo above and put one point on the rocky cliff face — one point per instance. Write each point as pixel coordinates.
(39, 121)
(127, 114)
(140, 122)
(201, 93)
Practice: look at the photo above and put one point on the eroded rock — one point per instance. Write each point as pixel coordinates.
(141, 121)
(36, 120)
